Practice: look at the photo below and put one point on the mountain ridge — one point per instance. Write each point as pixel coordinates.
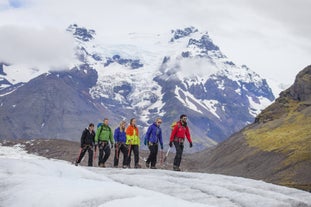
(188, 75)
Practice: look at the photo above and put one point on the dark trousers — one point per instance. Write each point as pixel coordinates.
(82, 153)
(135, 149)
(153, 154)
(179, 150)
(104, 148)
(120, 148)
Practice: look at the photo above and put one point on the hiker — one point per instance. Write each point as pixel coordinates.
(179, 132)
(152, 139)
(104, 140)
(133, 142)
(120, 140)
(87, 144)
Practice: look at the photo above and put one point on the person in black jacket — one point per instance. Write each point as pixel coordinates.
(87, 144)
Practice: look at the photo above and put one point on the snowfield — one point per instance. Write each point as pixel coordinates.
(30, 180)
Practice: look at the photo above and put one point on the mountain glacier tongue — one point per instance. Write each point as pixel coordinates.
(151, 75)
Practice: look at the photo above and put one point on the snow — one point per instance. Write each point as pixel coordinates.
(30, 180)
(256, 107)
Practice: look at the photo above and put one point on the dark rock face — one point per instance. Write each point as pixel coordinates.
(1, 69)
(181, 33)
(204, 43)
(301, 90)
(81, 33)
(133, 64)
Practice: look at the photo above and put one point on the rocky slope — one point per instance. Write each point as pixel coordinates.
(276, 147)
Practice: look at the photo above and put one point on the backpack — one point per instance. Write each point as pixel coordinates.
(174, 124)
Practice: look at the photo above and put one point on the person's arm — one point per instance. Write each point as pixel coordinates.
(116, 135)
(188, 136)
(96, 135)
(174, 131)
(83, 138)
(111, 137)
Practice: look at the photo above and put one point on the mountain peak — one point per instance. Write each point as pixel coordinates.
(181, 33)
(81, 33)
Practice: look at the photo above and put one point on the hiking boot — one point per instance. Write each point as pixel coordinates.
(137, 166)
(102, 165)
(147, 165)
(125, 166)
(76, 164)
(176, 168)
(153, 167)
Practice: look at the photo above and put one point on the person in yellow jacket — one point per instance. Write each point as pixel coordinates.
(133, 142)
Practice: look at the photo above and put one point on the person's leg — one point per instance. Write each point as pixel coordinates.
(179, 150)
(107, 153)
(90, 151)
(101, 154)
(136, 156)
(124, 150)
(154, 155)
(82, 153)
(116, 155)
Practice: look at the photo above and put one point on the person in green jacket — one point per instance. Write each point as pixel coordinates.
(104, 140)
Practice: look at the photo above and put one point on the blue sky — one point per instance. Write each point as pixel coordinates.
(271, 37)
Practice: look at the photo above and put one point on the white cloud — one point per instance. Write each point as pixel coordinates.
(271, 37)
(36, 47)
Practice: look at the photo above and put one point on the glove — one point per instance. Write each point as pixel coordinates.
(171, 144)
(112, 145)
(161, 146)
(145, 141)
(190, 144)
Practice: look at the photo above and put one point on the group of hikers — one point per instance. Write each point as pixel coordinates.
(127, 140)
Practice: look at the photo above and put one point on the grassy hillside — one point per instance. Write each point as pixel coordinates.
(289, 135)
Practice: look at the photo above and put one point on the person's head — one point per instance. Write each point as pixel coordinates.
(122, 124)
(183, 118)
(133, 122)
(106, 121)
(158, 121)
(91, 126)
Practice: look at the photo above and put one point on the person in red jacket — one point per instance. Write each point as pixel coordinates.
(179, 132)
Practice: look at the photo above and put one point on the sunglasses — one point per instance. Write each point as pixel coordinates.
(159, 122)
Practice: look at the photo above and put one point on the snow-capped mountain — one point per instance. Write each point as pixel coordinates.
(142, 76)
(30, 180)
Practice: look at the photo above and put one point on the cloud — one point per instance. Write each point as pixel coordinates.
(49, 48)
(271, 37)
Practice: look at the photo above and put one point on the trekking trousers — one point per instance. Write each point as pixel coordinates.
(83, 151)
(153, 147)
(135, 149)
(104, 148)
(179, 150)
(124, 150)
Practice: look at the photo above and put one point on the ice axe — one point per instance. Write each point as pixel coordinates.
(166, 155)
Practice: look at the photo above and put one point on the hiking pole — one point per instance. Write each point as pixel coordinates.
(95, 150)
(161, 156)
(168, 151)
(78, 156)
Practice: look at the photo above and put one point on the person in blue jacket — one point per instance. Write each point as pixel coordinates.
(120, 145)
(153, 138)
